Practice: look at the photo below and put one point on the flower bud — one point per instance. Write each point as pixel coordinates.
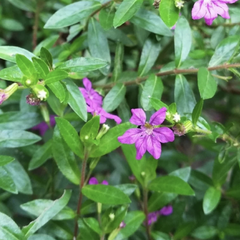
(102, 131)
(41, 92)
(111, 216)
(32, 100)
(6, 93)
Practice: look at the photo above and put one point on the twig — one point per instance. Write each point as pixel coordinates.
(83, 172)
(171, 72)
(35, 26)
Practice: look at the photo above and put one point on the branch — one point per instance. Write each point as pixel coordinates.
(171, 72)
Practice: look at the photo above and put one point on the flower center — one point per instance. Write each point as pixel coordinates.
(148, 128)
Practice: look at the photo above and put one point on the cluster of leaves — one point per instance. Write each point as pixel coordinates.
(135, 60)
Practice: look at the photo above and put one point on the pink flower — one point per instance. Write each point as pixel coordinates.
(90, 95)
(43, 127)
(166, 210)
(122, 224)
(94, 181)
(210, 9)
(149, 136)
(94, 103)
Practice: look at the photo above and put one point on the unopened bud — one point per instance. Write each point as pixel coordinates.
(32, 100)
(6, 93)
(111, 216)
(143, 174)
(102, 131)
(188, 125)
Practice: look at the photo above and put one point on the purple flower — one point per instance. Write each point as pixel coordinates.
(94, 181)
(149, 136)
(90, 95)
(94, 103)
(3, 96)
(210, 9)
(43, 127)
(153, 216)
(94, 109)
(166, 210)
(122, 224)
(33, 100)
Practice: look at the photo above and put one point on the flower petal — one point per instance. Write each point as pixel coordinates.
(130, 136)
(158, 117)
(105, 114)
(87, 84)
(221, 9)
(141, 147)
(93, 181)
(105, 182)
(154, 147)
(209, 21)
(138, 117)
(228, 1)
(163, 134)
(199, 10)
(166, 210)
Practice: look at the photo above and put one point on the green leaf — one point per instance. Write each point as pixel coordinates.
(233, 192)
(184, 230)
(90, 130)
(47, 214)
(71, 14)
(225, 51)
(206, 83)
(106, 17)
(220, 170)
(26, 66)
(9, 52)
(168, 12)
(105, 194)
(211, 200)
(59, 91)
(46, 43)
(160, 236)
(9, 230)
(159, 200)
(127, 188)
(15, 120)
(149, 55)
(40, 237)
(182, 36)
(118, 62)
(41, 67)
(183, 95)
(204, 232)
(11, 24)
(24, 4)
(82, 64)
(36, 207)
(86, 232)
(183, 173)
(5, 160)
(225, 215)
(114, 97)
(55, 76)
(93, 224)
(20, 177)
(171, 184)
(64, 158)
(197, 111)
(151, 22)
(46, 57)
(98, 44)
(76, 100)
(125, 11)
(41, 156)
(232, 229)
(17, 138)
(157, 104)
(11, 74)
(133, 220)
(6, 182)
(70, 136)
(153, 88)
(109, 141)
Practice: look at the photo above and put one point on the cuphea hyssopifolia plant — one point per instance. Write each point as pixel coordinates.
(128, 145)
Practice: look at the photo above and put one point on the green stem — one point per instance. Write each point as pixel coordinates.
(83, 173)
(145, 208)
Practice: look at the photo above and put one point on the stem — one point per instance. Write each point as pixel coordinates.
(145, 208)
(83, 172)
(171, 72)
(35, 26)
